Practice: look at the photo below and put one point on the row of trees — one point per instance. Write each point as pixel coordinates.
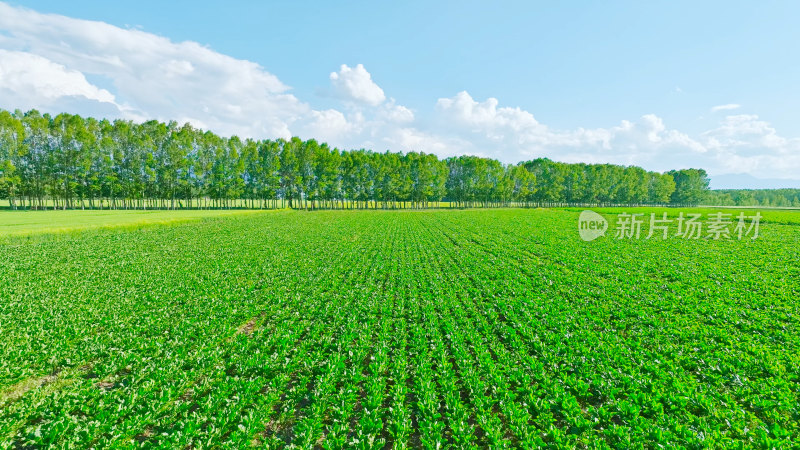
(68, 161)
(754, 197)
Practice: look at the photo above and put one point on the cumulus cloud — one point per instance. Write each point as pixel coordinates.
(738, 144)
(44, 80)
(514, 134)
(55, 63)
(745, 143)
(650, 132)
(368, 119)
(395, 113)
(745, 129)
(152, 77)
(486, 116)
(725, 107)
(356, 84)
(413, 139)
(329, 125)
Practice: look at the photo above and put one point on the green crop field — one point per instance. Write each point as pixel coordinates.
(395, 329)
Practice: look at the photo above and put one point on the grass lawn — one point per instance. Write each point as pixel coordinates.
(21, 223)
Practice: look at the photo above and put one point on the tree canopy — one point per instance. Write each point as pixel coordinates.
(68, 161)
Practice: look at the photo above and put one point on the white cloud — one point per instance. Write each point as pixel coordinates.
(395, 113)
(513, 134)
(176, 68)
(739, 144)
(43, 80)
(485, 115)
(412, 139)
(151, 76)
(746, 144)
(356, 84)
(329, 125)
(740, 126)
(726, 107)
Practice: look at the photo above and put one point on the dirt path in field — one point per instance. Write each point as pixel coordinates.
(20, 389)
(248, 327)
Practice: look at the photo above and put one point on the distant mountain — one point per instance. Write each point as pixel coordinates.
(745, 181)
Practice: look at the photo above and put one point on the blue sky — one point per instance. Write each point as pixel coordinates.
(657, 84)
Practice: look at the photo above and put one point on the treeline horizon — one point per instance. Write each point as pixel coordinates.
(784, 197)
(68, 161)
